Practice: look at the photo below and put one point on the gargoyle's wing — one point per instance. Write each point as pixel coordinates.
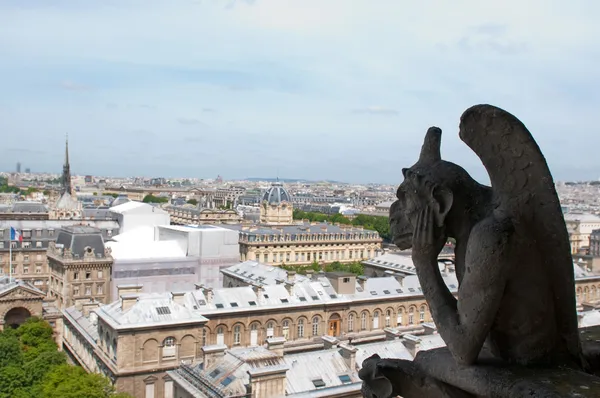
(524, 191)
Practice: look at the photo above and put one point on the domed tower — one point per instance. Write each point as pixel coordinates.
(276, 206)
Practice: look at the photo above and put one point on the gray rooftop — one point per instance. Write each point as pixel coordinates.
(81, 239)
(28, 207)
(276, 194)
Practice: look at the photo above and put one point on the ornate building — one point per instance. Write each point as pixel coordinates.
(191, 215)
(276, 207)
(305, 243)
(66, 175)
(80, 267)
(67, 207)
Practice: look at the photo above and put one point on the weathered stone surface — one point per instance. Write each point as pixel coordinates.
(513, 262)
(489, 378)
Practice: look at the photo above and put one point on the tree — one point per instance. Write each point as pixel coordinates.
(10, 350)
(193, 202)
(155, 199)
(67, 381)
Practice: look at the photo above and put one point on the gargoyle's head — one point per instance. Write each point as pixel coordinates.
(422, 186)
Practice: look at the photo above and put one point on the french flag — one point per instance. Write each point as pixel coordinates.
(15, 235)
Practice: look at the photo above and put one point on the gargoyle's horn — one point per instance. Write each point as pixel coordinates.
(431, 147)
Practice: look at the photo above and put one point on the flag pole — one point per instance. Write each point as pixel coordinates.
(10, 256)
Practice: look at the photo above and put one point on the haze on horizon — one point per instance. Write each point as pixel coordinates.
(301, 89)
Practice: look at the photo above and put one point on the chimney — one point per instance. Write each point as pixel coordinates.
(178, 297)
(329, 342)
(291, 276)
(290, 288)
(309, 273)
(128, 301)
(128, 289)
(400, 278)
(212, 354)
(259, 291)
(412, 344)
(348, 352)
(361, 281)
(87, 307)
(276, 344)
(208, 293)
(429, 328)
(391, 334)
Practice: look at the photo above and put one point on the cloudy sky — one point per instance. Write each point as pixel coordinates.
(324, 89)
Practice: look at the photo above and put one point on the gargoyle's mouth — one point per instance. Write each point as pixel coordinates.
(403, 241)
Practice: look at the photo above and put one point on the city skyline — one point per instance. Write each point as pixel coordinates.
(252, 88)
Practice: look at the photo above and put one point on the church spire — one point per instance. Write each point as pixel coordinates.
(66, 176)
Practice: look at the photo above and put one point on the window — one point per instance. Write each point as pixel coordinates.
(252, 303)
(75, 275)
(100, 289)
(75, 290)
(315, 326)
(88, 290)
(100, 274)
(226, 381)
(233, 304)
(220, 335)
(388, 317)
(169, 347)
(300, 328)
(88, 274)
(25, 270)
(422, 314)
(38, 233)
(411, 320)
(25, 258)
(26, 245)
(399, 319)
(376, 320)
(285, 329)
(346, 280)
(318, 383)
(270, 329)
(237, 333)
(363, 321)
(51, 232)
(204, 335)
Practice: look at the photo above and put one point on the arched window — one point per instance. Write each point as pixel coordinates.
(169, 347)
(411, 319)
(204, 335)
(315, 326)
(114, 349)
(400, 314)
(388, 318)
(270, 330)
(351, 322)
(578, 294)
(220, 335)
(422, 314)
(237, 334)
(586, 294)
(285, 329)
(376, 319)
(363, 321)
(300, 328)
(254, 334)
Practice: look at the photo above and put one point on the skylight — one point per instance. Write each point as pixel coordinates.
(284, 300)
(314, 297)
(252, 302)
(219, 305)
(373, 292)
(266, 296)
(163, 310)
(215, 373)
(234, 304)
(226, 381)
(318, 383)
(332, 296)
(345, 379)
(302, 298)
(398, 290)
(386, 291)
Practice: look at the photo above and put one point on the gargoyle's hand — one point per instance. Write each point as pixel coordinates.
(428, 238)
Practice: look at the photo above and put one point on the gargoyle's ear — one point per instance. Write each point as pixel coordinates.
(404, 171)
(443, 199)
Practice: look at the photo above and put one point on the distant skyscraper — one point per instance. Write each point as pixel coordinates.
(27, 170)
(66, 176)
(18, 167)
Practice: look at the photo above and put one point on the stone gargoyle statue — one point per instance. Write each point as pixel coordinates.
(513, 259)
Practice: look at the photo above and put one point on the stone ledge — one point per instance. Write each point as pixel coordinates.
(509, 381)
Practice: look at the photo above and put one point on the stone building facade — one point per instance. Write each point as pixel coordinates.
(185, 215)
(18, 301)
(29, 260)
(80, 267)
(305, 243)
(276, 207)
(146, 335)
